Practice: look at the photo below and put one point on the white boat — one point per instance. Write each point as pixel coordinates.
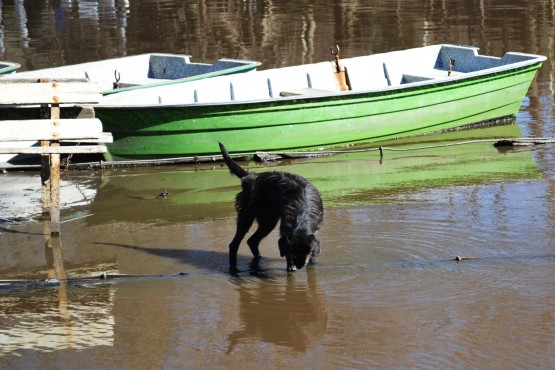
(141, 71)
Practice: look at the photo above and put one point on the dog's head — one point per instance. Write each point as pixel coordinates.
(299, 248)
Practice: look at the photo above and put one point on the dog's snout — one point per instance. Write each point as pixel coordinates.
(300, 261)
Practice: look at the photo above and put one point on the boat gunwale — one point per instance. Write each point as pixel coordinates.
(9, 68)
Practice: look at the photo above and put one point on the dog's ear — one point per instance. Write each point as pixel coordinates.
(283, 244)
(314, 242)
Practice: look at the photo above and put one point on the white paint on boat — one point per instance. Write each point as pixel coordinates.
(379, 72)
(138, 70)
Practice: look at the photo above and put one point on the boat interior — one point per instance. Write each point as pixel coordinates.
(136, 70)
(162, 67)
(367, 73)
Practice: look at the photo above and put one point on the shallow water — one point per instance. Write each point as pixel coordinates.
(387, 291)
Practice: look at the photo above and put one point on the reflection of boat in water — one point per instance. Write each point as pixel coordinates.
(346, 179)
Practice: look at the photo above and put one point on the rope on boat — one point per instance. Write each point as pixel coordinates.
(503, 142)
(268, 156)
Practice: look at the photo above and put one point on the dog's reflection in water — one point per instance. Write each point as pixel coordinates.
(286, 312)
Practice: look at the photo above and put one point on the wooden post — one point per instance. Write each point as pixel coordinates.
(45, 170)
(45, 180)
(55, 261)
(55, 179)
(55, 258)
(55, 190)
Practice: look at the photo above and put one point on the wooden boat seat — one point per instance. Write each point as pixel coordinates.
(305, 91)
(315, 79)
(427, 75)
(407, 79)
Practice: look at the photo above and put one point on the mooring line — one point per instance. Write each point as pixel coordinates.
(501, 141)
(263, 156)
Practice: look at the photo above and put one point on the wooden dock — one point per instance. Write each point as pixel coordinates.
(44, 111)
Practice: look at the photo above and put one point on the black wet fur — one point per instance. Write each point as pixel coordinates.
(272, 196)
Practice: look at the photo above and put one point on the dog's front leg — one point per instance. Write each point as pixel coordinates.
(283, 244)
(244, 222)
(290, 265)
(233, 248)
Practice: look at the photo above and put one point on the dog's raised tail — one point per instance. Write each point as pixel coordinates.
(234, 168)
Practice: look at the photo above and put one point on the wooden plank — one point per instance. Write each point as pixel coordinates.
(91, 87)
(16, 112)
(51, 129)
(77, 149)
(50, 93)
(105, 138)
(13, 79)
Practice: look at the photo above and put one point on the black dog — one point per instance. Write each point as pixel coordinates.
(269, 197)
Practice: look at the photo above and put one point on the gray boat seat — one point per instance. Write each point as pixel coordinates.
(170, 67)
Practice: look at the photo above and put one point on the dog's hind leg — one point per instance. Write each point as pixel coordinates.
(265, 225)
(244, 222)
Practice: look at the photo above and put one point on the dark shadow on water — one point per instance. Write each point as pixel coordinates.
(12, 231)
(210, 261)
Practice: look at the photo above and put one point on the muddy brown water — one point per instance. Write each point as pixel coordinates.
(387, 292)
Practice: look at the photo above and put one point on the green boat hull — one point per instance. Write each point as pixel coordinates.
(303, 123)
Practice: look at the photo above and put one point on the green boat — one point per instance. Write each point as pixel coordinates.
(8, 67)
(390, 95)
